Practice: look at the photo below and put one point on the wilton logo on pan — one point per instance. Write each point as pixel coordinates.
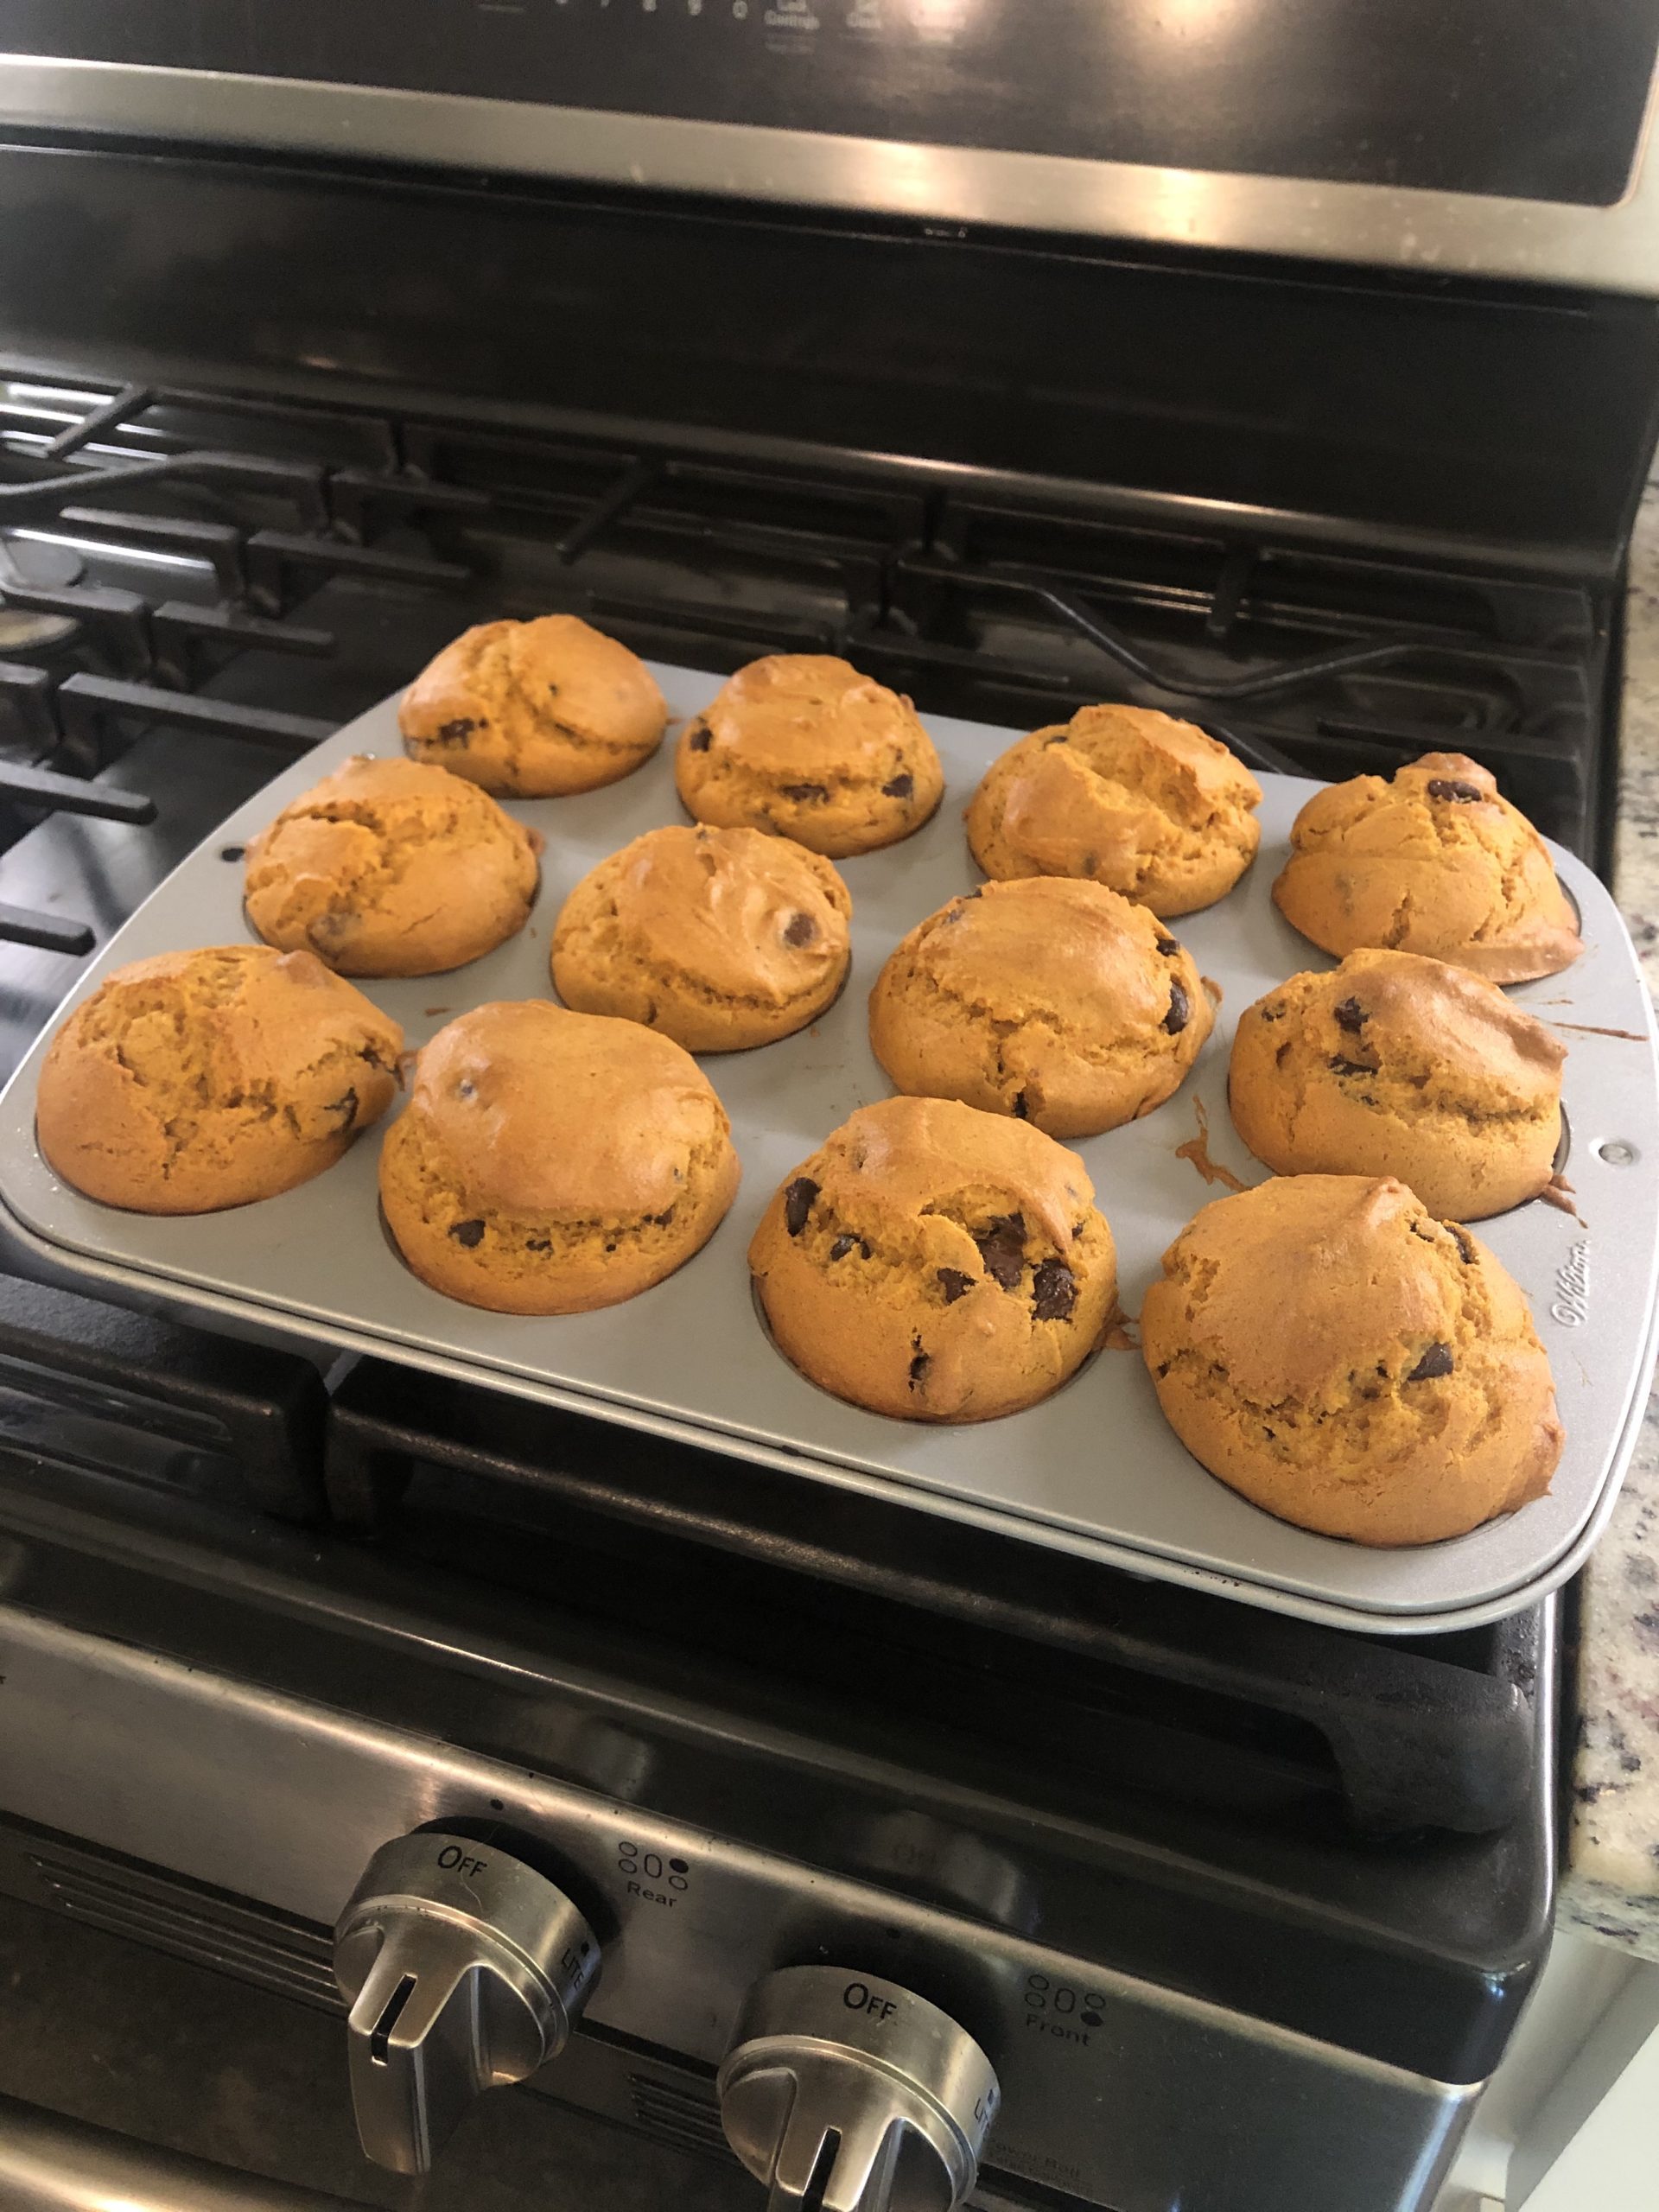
(1572, 1306)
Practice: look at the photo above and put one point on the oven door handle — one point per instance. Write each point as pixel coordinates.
(48, 2164)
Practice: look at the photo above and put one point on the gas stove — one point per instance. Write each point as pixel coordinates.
(1125, 1835)
(913, 1864)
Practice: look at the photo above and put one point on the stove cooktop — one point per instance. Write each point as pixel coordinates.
(198, 586)
(1351, 1839)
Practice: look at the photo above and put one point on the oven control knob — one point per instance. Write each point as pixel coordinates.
(464, 1968)
(844, 2092)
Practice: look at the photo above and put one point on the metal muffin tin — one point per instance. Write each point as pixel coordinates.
(1094, 1470)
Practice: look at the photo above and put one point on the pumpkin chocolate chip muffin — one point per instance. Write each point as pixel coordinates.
(1149, 806)
(199, 1080)
(1433, 861)
(802, 744)
(719, 938)
(1332, 1352)
(935, 1263)
(549, 1162)
(1048, 998)
(391, 867)
(1395, 1064)
(535, 709)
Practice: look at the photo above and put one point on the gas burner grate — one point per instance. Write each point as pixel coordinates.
(237, 569)
(1416, 1734)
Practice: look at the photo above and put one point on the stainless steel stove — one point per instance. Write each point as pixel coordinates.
(910, 1863)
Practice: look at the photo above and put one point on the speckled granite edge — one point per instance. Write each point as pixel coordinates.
(1610, 1886)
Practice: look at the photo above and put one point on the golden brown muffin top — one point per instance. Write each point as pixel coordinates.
(1120, 781)
(807, 718)
(1434, 860)
(907, 1158)
(1059, 950)
(225, 1029)
(199, 1079)
(1316, 1292)
(351, 863)
(751, 916)
(557, 671)
(562, 1115)
(1433, 1035)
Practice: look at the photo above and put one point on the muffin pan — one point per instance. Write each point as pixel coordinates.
(1094, 1470)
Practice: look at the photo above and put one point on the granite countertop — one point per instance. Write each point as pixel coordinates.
(1610, 1886)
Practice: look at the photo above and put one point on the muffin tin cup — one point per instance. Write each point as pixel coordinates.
(1094, 1470)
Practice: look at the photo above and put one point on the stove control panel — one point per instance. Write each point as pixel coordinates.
(464, 1968)
(845, 2092)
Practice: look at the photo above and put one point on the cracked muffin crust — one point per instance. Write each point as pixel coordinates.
(1396, 1064)
(549, 1162)
(535, 709)
(391, 867)
(1327, 1349)
(1048, 998)
(719, 938)
(1149, 806)
(801, 744)
(1433, 861)
(935, 1263)
(200, 1080)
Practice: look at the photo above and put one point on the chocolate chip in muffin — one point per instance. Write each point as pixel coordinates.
(662, 1220)
(919, 1365)
(1350, 1016)
(954, 1284)
(455, 732)
(1447, 787)
(469, 1233)
(1339, 1066)
(844, 1245)
(797, 1204)
(1168, 947)
(1465, 1244)
(1180, 1011)
(1435, 1362)
(1021, 1106)
(799, 930)
(1053, 1291)
(902, 786)
(326, 931)
(699, 737)
(805, 792)
(1002, 1248)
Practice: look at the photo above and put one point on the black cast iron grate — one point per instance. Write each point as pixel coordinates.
(272, 538)
(1435, 1734)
